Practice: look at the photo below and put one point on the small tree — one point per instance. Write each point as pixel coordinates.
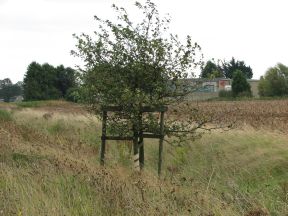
(135, 65)
(240, 86)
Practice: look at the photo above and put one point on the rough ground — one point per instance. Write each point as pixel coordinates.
(49, 166)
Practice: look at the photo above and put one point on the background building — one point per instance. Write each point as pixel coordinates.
(207, 89)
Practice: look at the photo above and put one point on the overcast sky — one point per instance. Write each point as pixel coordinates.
(41, 30)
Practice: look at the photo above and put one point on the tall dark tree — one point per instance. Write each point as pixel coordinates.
(66, 79)
(211, 70)
(240, 86)
(39, 82)
(44, 82)
(228, 68)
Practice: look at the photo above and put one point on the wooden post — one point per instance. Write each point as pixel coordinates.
(161, 142)
(135, 150)
(141, 143)
(138, 135)
(103, 138)
(141, 150)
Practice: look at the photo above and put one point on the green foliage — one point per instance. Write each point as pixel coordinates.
(73, 94)
(25, 159)
(66, 79)
(132, 64)
(246, 94)
(225, 94)
(77, 195)
(30, 104)
(211, 70)
(228, 68)
(57, 128)
(124, 152)
(180, 155)
(240, 86)
(274, 83)
(135, 64)
(5, 115)
(5, 81)
(8, 90)
(45, 82)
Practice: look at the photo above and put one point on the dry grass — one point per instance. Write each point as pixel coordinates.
(49, 166)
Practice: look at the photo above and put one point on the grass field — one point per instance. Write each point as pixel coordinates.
(49, 165)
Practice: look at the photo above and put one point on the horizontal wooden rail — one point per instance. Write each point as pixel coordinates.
(143, 109)
(151, 136)
(116, 138)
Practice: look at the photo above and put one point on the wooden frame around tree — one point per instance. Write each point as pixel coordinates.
(138, 136)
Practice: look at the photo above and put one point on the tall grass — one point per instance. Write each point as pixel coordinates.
(5, 115)
(50, 167)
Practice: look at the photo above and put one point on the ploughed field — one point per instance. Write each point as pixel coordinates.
(260, 114)
(49, 164)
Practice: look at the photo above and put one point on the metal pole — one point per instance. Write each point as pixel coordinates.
(103, 138)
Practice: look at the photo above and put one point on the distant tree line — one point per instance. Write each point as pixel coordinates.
(8, 90)
(233, 69)
(46, 82)
(224, 69)
(273, 83)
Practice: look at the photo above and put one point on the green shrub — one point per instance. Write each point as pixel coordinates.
(5, 115)
(225, 94)
(22, 159)
(73, 95)
(30, 104)
(180, 155)
(57, 128)
(245, 94)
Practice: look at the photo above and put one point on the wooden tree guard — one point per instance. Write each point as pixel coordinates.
(138, 138)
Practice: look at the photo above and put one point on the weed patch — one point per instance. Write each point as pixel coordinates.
(57, 128)
(5, 115)
(25, 159)
(30, 104)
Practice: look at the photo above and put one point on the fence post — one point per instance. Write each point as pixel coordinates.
(103, 138)
(141, 150)
(135, 150)
(161, 142)
(141, 142)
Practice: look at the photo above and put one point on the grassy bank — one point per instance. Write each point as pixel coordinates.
(49, 166)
